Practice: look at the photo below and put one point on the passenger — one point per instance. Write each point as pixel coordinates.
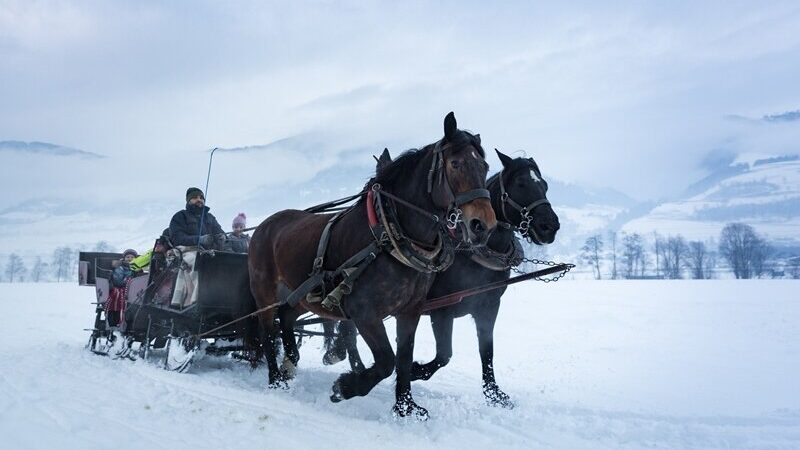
(185, 233)
(115, 306)
(123, 271)
(238, 241)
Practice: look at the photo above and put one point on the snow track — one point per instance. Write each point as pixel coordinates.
(593, 365)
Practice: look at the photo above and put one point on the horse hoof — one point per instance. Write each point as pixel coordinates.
(337, 396)
(288, 369)
(332, 357)
(498, 398)
(278, 384)
(407, 408)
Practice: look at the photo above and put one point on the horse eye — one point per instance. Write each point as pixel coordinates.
(455, 164)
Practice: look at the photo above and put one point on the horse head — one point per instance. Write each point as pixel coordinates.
(519, 195)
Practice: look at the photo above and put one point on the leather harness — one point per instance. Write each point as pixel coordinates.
(388, 236)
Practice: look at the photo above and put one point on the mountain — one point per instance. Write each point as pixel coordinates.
(764, 194)
(45, 149)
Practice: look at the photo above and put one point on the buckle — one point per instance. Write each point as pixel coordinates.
(317, 263)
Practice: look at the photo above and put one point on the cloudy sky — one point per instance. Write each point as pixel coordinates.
(638, 98)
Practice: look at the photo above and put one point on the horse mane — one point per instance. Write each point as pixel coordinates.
(400, 166)
(404, 163)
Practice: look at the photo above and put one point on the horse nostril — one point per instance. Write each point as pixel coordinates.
(477, 226)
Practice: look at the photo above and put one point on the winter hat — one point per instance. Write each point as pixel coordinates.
(240, 219)
(130, 251)
(193, 192)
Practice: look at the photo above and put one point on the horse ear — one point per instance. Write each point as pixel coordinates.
(478, 138)
(506, 160)
(384, 160)
(450, 126)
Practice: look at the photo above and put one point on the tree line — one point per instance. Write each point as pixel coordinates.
(622, 255)
(62, 265)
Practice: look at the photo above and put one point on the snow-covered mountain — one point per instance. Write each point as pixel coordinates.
(764, 193)
(90, 199)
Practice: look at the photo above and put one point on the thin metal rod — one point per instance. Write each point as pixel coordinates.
(205, 194)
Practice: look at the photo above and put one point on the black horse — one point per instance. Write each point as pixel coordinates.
(402, 219)
(519, 199)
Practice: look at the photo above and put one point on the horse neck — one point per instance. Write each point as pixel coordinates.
(494, 193)
(501, 238)
(415, 225)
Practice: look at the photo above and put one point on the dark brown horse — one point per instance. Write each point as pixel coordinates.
(421, 187)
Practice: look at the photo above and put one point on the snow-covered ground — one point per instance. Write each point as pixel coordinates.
(610, 364)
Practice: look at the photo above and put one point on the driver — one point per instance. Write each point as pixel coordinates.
(185, 234)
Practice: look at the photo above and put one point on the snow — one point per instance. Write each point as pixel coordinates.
(609, 364)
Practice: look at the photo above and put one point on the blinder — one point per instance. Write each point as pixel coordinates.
(442, 193)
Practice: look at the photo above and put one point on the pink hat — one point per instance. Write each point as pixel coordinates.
(240, 219)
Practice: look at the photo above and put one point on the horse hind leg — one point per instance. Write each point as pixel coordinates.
(442, 324)
(335, 351)
(291, 356)
(342, 345)
(276, 378)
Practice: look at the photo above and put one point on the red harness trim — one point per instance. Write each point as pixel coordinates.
(372, 216)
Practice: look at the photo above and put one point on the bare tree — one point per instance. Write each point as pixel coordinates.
(697, 260)
(103, 247)
(761, 251)
(591, 252)
(633, 254)
(39, 270)
(612, 238)
(744, 250)
(675, 250)
(62, 262)
(15, 268)
(657, 251)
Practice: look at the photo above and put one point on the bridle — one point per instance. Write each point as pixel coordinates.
(442, 193)
(524, 211)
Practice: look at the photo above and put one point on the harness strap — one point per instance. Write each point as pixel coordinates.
(523, 210)
(466, 197)
(323, 243)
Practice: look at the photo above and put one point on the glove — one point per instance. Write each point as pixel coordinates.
(206, 240)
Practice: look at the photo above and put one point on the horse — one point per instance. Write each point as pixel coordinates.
(519, 200)
(399, 227)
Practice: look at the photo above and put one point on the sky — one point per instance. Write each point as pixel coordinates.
(638, 97)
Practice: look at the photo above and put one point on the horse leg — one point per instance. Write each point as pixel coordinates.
(352, 384)
(291, 355)
(335, 350)
(442, 323)
(404, 404)
(484, 324)
(329, 328)
(349, 336)
(268, 331)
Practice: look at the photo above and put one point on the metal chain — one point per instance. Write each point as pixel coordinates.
(543, 263)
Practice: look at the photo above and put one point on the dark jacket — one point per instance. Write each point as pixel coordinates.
(237, 244)
(184, 226)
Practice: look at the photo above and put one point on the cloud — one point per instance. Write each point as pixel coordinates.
(631, 97)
